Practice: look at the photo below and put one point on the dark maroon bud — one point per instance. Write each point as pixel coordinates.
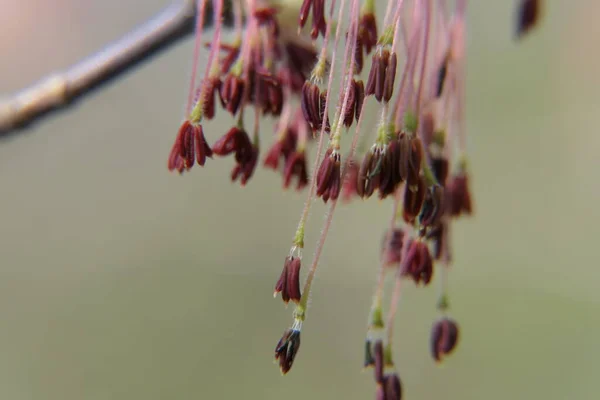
(235, 140)
(433, 207)
(311, 105)
(390, 77)
(359, 59)
(392, 387)
(418, 264)
(392, 253)
(283, 147)
(444, 338)
(187, 149)
(232, 91)
(273, 155)
(413, 200)
(441, 77)
(328, 176)
(286, 349)
(369, 357)
(322, 111)
(246, 154)
(210, 92)
(362, 174)
(190, 145)
(175, 161)
(371, 80)
(437, 237)
(527, 17)
(349, 111)
(268, 92)
(304, 11)
(440, 167)
(203, 150)
(380, 66)
(415, 161)
(390, 176)
(458, 196)
(275, 99)
(369, 173)
(360, 98)
(318, 23)
(246, 164)
(367, 31)
(289, 281)
(379, 361)
(295, 166)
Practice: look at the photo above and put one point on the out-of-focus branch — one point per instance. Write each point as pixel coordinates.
(61, 89)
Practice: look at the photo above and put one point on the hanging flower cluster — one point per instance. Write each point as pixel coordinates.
(410, 65)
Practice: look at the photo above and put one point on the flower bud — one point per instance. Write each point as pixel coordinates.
(444, 337)
(286, 349)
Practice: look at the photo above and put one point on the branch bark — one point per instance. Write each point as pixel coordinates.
(59, 90)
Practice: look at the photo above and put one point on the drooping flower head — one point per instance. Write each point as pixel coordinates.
(405, 60)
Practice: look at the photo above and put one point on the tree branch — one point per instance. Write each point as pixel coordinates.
(59, 90)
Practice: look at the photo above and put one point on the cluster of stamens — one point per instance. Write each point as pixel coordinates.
(414, 154)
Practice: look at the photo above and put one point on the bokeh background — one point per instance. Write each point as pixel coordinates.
(121, 281)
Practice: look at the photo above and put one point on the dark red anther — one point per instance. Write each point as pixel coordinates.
(527, 17)
(433, 207)
(286, 349)
(232, 92)
(458, 195)
(356, 97)
(289, 281)
(382, 75)
(304, 11)
(418, 264)
(328, 176)
(295, 165)
(209, 92)
(246, 164)
(415, 161)
(390, 175)
(190, 145)
(413, 200)
(318, 22)
(369, 172)
(246, 154)
(390, 76)
(444, 338)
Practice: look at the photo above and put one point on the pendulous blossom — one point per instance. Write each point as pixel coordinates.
(311, 68)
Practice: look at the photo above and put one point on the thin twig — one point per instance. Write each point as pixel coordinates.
(61, 89)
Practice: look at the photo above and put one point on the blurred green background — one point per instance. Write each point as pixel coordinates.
(121, 281)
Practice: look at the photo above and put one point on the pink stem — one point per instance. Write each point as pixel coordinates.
(215, 47)
(397, 23)
(201, 6)
(424, 59)
(407, 75)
